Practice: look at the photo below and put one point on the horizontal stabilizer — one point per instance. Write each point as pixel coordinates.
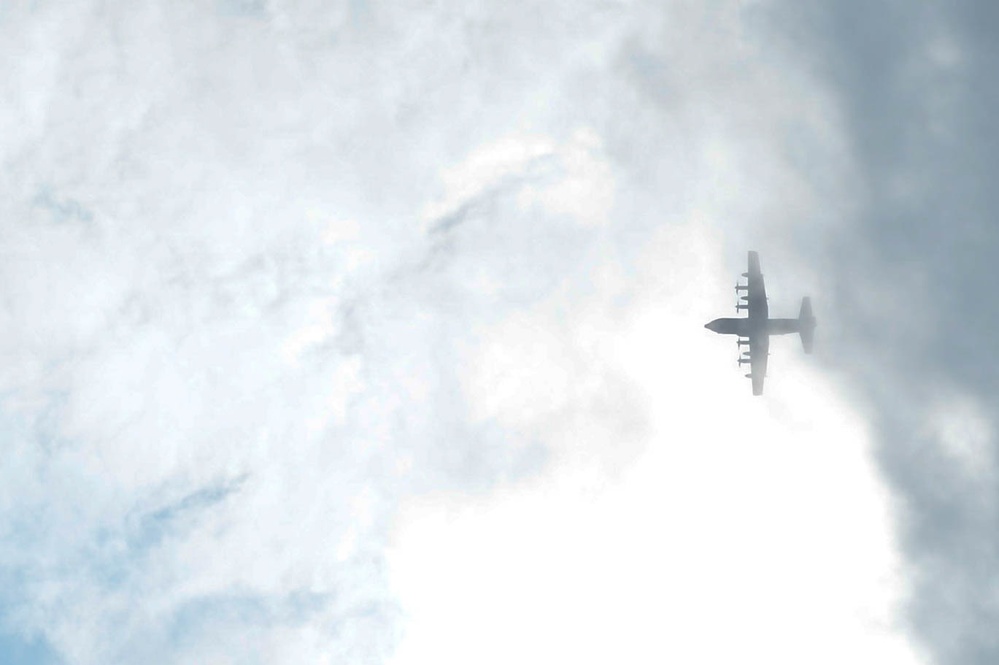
(806, 324)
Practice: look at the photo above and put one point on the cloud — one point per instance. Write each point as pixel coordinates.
(673, 508)
(737, 524)
(913, 269)
(272, 271)
(218, 388)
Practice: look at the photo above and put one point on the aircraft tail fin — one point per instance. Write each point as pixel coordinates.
(806, 324)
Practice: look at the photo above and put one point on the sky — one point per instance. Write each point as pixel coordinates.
(359, 332)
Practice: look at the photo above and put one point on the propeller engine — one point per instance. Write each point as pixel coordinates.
(741, 287)
(742, 342)
(740, 306)
(745, 361)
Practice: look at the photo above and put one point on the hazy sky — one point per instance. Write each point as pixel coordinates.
(357, 332)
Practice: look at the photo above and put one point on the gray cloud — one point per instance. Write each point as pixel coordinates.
(912, 276)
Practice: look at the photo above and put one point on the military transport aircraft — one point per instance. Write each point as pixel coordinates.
(755, 330)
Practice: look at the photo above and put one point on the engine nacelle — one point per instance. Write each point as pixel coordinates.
(745, 361)
(742, 342)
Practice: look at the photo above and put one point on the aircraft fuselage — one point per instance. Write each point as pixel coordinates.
(754, 327)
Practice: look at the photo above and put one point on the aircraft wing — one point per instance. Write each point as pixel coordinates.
(757, 291)
(759, 350)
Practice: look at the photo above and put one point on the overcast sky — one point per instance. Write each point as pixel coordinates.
(357, 332)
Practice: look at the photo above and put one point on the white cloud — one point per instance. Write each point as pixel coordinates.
(270, 271)
(485, 169)
(586, 187)
(742, 528)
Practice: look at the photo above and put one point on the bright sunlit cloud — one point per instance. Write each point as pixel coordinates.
(738, 528)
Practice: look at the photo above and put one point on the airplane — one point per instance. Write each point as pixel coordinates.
(755, 330)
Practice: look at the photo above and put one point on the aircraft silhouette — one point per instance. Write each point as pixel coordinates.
(755, 330)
